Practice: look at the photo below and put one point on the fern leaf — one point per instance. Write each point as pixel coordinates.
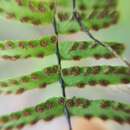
(44, 111)
(74, 76)
(35, 12)
(103, 75)
(38, 79)
(94, 14)
(105, 109)
(13, 50)
(78, 50)
(54, 107)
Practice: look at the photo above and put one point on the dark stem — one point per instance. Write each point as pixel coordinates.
(74, 5)
(86, 30)
(66, 111)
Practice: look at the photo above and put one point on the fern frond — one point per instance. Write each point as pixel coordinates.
(29, 11)
(77, 50)
(94, 14)
(105, 109)
(13, 50)
(38, 79)
(103, 75)
(44, 111)
(74, 76)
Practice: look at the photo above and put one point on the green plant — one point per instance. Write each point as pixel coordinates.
(67, 18)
